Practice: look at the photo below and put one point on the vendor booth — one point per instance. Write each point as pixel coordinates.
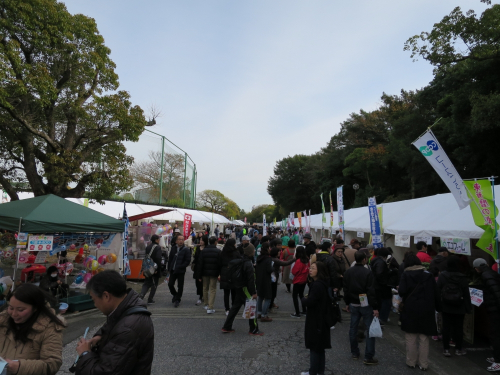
(48, 226)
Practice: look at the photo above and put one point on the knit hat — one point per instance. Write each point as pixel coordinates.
(249, 250)
(245, 238)
(478, 262)
(308, 235)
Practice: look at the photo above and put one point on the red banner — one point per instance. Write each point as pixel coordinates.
(187, 225)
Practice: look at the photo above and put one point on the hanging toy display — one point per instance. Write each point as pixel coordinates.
(23, 257)
(111, 258)
(102, 260)
(94, 265)
(87, 277)
(72, 246)
(85, 247)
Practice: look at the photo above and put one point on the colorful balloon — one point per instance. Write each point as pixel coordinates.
(79, 279)
(100, 269)
(111, 258)
(94, 265)
(98, 245)
(72, 246)
(62, 247)
(85, 247)
(87, 277)
(103, 260)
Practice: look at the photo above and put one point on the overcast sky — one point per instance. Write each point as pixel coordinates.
(242, 84)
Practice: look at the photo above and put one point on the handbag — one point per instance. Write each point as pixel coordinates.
(148, 265)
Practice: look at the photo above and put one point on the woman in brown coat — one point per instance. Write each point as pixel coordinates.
(30, 333)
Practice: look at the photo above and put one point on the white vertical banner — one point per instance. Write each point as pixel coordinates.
(264, 226)
(340, 209)
(429, 146)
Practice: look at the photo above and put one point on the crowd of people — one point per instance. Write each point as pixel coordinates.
(432, 294)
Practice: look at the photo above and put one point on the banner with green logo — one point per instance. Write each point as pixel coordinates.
(429, 146)
(483, 211)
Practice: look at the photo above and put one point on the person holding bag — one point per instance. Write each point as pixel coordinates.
(317, 329)
(418, 289)
(153, 252)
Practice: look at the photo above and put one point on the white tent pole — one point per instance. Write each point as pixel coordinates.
(17, 258)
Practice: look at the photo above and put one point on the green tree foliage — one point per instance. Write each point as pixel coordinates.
(215, 201)
(373, 149)
(256, 215)
(59, 130)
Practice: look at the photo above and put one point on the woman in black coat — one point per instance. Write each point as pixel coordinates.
(263, 282)
(229, 252)
(196, 275)
(418, 318)
(453, 287)
(317, 330)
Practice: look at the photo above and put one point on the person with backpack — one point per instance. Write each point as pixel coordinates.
(263, 281)
(287, 254)
(491, 290)
(300, 272)
(229, 252)
(420, 297)
(453, 287)
(208, 268)
(317, 329)
(153, 253)
(241, 276)
(178, 260)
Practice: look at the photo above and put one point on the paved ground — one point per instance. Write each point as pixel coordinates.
(189, 341)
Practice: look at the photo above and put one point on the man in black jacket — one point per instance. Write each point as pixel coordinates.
(361, 301)
(154, 251)
(438, 264)
(382, 274)
(248, 291)
(178, 259)
(309, 245)
(125, 343)
(208, 268)
(491, 282)
(324, 256)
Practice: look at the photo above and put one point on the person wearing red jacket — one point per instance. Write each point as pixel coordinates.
(300, 271)
(422, 252)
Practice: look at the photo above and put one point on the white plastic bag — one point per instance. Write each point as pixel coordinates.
(375, 328)
(250, 309)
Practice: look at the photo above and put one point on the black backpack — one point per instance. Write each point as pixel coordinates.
(235, 274)
(452, 294)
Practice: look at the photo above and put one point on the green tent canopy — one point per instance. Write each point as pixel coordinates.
(53, 214)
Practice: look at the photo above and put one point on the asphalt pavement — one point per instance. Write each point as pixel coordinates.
(190, 341)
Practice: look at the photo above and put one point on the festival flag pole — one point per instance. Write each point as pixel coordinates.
(492, 179)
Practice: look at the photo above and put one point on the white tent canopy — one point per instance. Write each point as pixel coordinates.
(435, 216)
(115, 209)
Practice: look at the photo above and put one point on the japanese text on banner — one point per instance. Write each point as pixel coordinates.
(187, 225)
(374, 223)
(483, 212)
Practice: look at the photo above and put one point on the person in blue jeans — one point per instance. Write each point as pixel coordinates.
(361, 301)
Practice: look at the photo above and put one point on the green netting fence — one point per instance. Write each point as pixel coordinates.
(165, 174)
